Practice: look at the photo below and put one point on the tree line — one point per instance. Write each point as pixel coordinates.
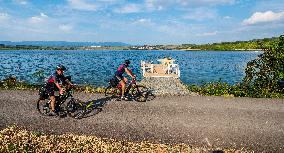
(237, 45)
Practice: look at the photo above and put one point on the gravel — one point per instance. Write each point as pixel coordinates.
(166, 86)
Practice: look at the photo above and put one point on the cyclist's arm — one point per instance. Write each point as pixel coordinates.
(129, 73)
(58, 85)
(68, 82)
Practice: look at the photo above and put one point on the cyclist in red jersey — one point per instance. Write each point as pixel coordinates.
(54, 84)
(122, 80)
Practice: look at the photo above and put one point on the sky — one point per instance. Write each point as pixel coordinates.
(159, 22)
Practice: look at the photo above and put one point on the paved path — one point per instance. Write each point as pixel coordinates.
(214, 122)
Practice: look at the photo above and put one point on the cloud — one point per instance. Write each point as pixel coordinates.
(38, 19)
(163, 4)
(65, 28)
(207, 34)
(259, 17)
(22, 2)
(130, 8)
(83, 5)
(203, 2)
(4, 17)
(157, 4)
(201, 14)
(227, 17)
(144, 21)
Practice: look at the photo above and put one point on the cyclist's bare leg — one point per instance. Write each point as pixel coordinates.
(125, 79)
(52, 103)
(123, 86)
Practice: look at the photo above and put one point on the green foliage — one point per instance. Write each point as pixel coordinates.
(264, 73)
(218, 89)
(11, 83)
(238, 45)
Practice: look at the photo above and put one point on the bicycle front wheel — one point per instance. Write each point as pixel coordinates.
(140, 93)
(43, 106)
(75, 109)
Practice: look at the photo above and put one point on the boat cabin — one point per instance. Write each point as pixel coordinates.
(165, 68)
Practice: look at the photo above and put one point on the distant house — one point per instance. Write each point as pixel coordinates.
(95, 46)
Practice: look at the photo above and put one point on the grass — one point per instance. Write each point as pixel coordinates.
(11, 83)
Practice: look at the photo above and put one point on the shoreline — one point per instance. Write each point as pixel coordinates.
(126, 50)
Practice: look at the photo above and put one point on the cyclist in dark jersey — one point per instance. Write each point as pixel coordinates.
(122, 80)
(54, 84)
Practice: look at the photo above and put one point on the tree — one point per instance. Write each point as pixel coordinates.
(264, 73)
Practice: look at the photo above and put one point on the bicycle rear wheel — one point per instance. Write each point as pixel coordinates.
(112, 92)
(43, 106)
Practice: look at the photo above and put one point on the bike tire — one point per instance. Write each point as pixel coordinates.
(75, 109)
(43, 106)
(140, 93)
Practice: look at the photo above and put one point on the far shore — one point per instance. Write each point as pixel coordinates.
(105, 49)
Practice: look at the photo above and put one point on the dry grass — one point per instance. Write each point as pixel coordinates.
(14, 139)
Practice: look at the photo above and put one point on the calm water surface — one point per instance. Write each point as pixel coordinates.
(96, 67)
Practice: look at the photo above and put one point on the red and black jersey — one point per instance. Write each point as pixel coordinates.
(55, 78)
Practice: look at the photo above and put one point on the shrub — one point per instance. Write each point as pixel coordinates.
(262, 79)
(264, 73)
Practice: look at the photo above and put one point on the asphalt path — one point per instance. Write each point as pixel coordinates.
(200, 121)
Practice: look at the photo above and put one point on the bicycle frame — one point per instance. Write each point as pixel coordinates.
(128, 86)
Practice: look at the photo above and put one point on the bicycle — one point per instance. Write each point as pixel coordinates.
(62, 109)
(133, 91)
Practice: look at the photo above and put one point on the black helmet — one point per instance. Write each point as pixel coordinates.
(60, 67)
(127, 62)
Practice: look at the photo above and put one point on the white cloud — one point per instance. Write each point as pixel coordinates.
(4, 17)
(162, 4)
(130, 8)
(144, 21)
(38, 19)
(201, 14)
(43, 15)
(22, 2)
(259, 17)
(157, 4)
(83, 5)
(207, 34)
(203, 2)
(109, 1)
(65, 28)
(227, 17)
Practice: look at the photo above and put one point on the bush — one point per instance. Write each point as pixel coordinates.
(262, 79)
(213, 88)
(264, 73)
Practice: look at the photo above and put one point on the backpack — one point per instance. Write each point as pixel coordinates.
(43, 94)
(113, 82)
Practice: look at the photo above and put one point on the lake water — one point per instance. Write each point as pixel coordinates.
(96, 67)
